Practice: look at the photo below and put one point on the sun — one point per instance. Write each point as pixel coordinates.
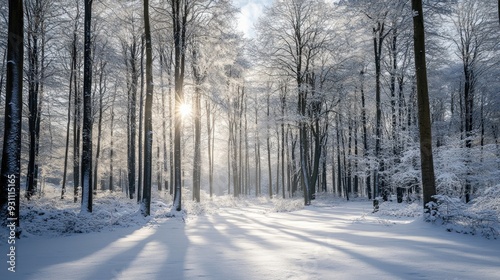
(185, 110)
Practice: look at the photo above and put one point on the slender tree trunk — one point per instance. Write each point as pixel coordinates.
(426, 158)
(171, 113)
(377, 46)
(210, 147)
(72, 77)
(34, 18)
(179, 15)
(365, 135)
(197, 125)
(148, 117)
(283, 104)
(164, 117)
(111, 142)
(339, 162)
(132, 118)
(140, 135)
(258, 171)
(270, 179)
(77, 129)
(102, 89)
(87, 114)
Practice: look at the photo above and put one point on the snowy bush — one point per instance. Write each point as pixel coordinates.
(287, 205)
(480, 216)
(400, 209)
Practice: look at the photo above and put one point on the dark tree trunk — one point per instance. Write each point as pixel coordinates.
(210, 139)
(11, 153)
(197, 125)
(111, 143)
(365, 135)
(77, 127)
(87, 114)
(132, 103)
(268, 142)
(378, 37)
(148, 117)
(102, 89)
(141, 114)
(35, 18)
(72, 90)
(426, 158)
(179, 17)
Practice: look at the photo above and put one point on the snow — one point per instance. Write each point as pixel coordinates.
(254, 238)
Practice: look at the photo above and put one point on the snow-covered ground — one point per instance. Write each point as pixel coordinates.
(246, 239)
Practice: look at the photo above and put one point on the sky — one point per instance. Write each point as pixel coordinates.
(250, 12)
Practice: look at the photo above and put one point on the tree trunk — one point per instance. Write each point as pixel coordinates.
(87, 114)
(198, 79)
(179, 16)
(140, 135)
(11, 153)
(35, 20)
(258, 171)
(426, 158)
(378, 37)
(148, 117)
(210, 139)
(111, 146)
(77, 125)
(132, 84)
(102, 90)
(270, 177)
(365, 135)
(72, 78)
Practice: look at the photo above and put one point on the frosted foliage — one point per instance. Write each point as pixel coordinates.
(408, 171)
(481, 216)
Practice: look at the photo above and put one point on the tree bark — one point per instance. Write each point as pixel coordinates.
(140, 136)
(365, 134)
(426, 158)
(179, 16)
(148, 118)
(72, 90)
(102, 90)
(87, 113)
(11, 154)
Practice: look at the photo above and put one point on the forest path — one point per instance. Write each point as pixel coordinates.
(344, 241)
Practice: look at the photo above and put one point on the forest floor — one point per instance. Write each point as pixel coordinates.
(330, 239)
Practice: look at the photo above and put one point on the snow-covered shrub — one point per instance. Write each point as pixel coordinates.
(406, 174)
(400, 209)
(481, 216)
(287, 205)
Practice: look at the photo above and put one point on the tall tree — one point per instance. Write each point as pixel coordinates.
(87, 112)
(198, 79)
(73, 91)
(11, 154)
(36, 14)
(424, 119)
(292, 34)
(180, 12)
(148, 118)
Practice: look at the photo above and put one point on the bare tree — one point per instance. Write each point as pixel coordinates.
(424, 119)
(11, 154)
(148, 125)
(87, 113)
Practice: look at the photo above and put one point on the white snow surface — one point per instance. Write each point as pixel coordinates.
(227, 238)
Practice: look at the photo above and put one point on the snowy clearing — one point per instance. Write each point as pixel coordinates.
(329, 240)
